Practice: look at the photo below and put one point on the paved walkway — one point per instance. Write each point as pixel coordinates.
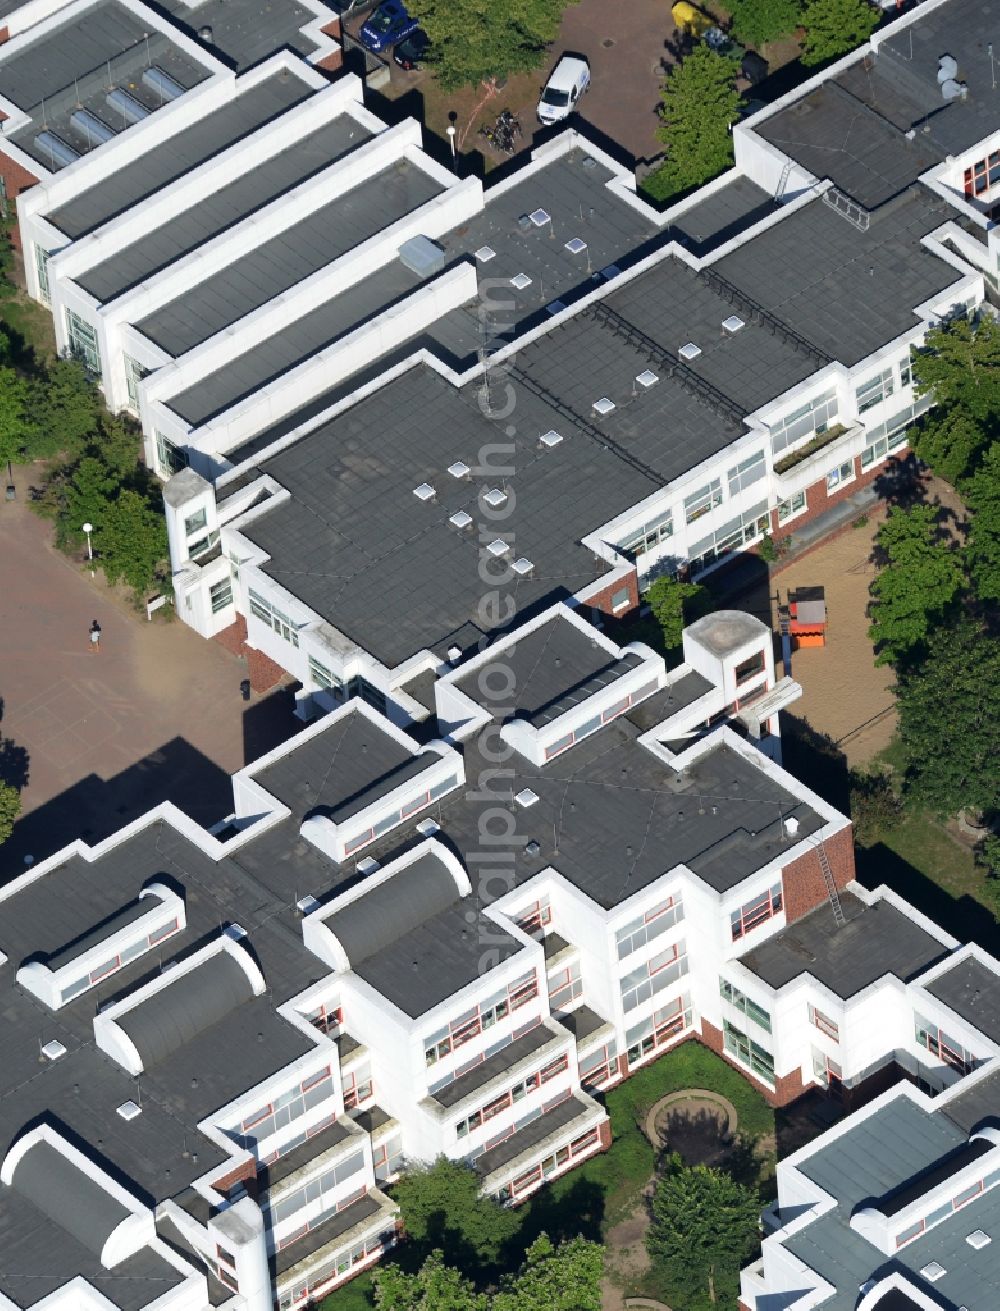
(154, 714)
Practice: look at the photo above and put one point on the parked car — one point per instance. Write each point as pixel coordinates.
(567, 83)
(388, 24)
(410, 52)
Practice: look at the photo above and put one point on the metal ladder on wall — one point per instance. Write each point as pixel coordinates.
(786, 173)
(831, 886)
(847, 208)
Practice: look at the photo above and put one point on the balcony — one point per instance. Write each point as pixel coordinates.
(807, 464)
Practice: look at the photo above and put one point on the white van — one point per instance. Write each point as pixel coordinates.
(567, 83)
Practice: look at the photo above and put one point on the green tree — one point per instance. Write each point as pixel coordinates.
(921, 578)
(949, 721)
(14, 427)
(86, 497)
(435, 1287)
(949, 441)
(441, 1207)
(755, 22)
(671, 602)
(118, 444)
(65, 410)
(704, 1225)
(699, 105)
(960, 363)
(10, 808)
(472, 42)
(133, 541)
(835, 26)
(563, 1278)
(982, 494)
(875, 806)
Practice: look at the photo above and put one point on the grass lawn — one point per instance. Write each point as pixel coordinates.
(607, 1187)
(30, 321)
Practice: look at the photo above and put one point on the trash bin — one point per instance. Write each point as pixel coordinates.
(245, 689)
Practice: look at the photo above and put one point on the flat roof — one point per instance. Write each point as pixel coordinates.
(192, 145)
(244, 35)
(976, 1101)
(187, 229)
(670, 700)
(972, 991)
(835, 135)
(531, 1136)
(876, 940)
(431, 962)
(351, 764)
(870, 1158)
(846, 291)
(493, 1067)
(553, 668)
(723, 215)
(338, 1224)
(76, 63)
(264, 272)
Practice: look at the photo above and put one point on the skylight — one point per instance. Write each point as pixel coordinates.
(646, 378)
(576, 245)
(551, 438)
(460, 519)
(498, 547)
(520, 281)
(424, 492)
(485, 253)
(978, 1238)
(494, 497)
(459, 469)
(540, 217)
(689, 351)
(733, 323)
(526, 797)
(522, 565)
(604, 406)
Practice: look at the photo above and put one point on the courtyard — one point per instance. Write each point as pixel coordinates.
(97, 737)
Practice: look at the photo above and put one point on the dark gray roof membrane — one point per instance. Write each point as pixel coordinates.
(375, 920)
(66, 1195)
(186, 1007)
(103, 930)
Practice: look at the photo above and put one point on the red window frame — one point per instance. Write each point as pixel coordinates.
(351, 847)
(554, 1068)
(584, 1142)
(966, 1195)
(354, 1094)
(754, 913)
(166, 931)
(824, 1023)
(325, 1020)
(602, 1072)
(536, 917)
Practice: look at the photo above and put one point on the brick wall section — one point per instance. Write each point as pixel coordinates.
(605, 1135)
(17, 179)
(264, 673)
(242, 1174)
(818, 500)
(234, 638)
(332, 63)
(4, 36)
(602, 600)
(803, 887)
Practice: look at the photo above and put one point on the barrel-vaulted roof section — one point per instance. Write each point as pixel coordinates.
(373, 921)
(61, 1190)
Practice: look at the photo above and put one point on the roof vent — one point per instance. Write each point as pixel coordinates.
(733, 323)
(494, 497)
(368, 866)
(421, 256)
(205, 33)
(520, 281)
(532, 848)
(551, 438)
(526, 797)
(791, 826)
(933, 1271)
(485, 253)
(454, 654)
(646, 378)
(689, 351)
(555, 306)
(460, 519)
(306, 905)
(54, 1049)
(604, 406)
(428, 827)
(498, 547)
(424, 492)
(540, 217)
(129, 1110)
(575, 246)
(523, 565)
(978, 1238)
(459, 469)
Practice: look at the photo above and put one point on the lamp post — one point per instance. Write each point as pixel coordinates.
(451, 138)
(88, 528)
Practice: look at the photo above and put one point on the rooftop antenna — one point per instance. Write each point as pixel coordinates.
(993, 67)
(111, 84)
(44, 119)
(149, 57)
(79, 102)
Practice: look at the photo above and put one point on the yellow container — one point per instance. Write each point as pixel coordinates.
(687, 18)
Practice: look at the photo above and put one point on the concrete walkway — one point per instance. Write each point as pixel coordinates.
(155, 713)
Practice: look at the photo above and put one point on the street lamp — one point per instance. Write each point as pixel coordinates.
(88, 528)
(451, 138)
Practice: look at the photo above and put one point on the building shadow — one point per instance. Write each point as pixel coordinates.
(94, 807)
(269, 722)
(816, 760)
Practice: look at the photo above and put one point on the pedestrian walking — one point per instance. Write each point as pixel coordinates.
(95, 636)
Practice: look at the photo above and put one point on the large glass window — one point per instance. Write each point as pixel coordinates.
(286, 1107)
(323, 677)
(659, 1028)
(746, 473)
(745, 1004)
(83, 342)
(653, 975)
(844, 473)
(793, 506)
(943, 1046)
(170, 457)
(704, 500)
(465, 1027)
(658, 919)
(134, 374)
(875, 390)
(731, 536)
(815, 416)
(221, 595)
(42, 269)
(756, 912)
(654, 531)
(748, 1052)
(269, 614)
